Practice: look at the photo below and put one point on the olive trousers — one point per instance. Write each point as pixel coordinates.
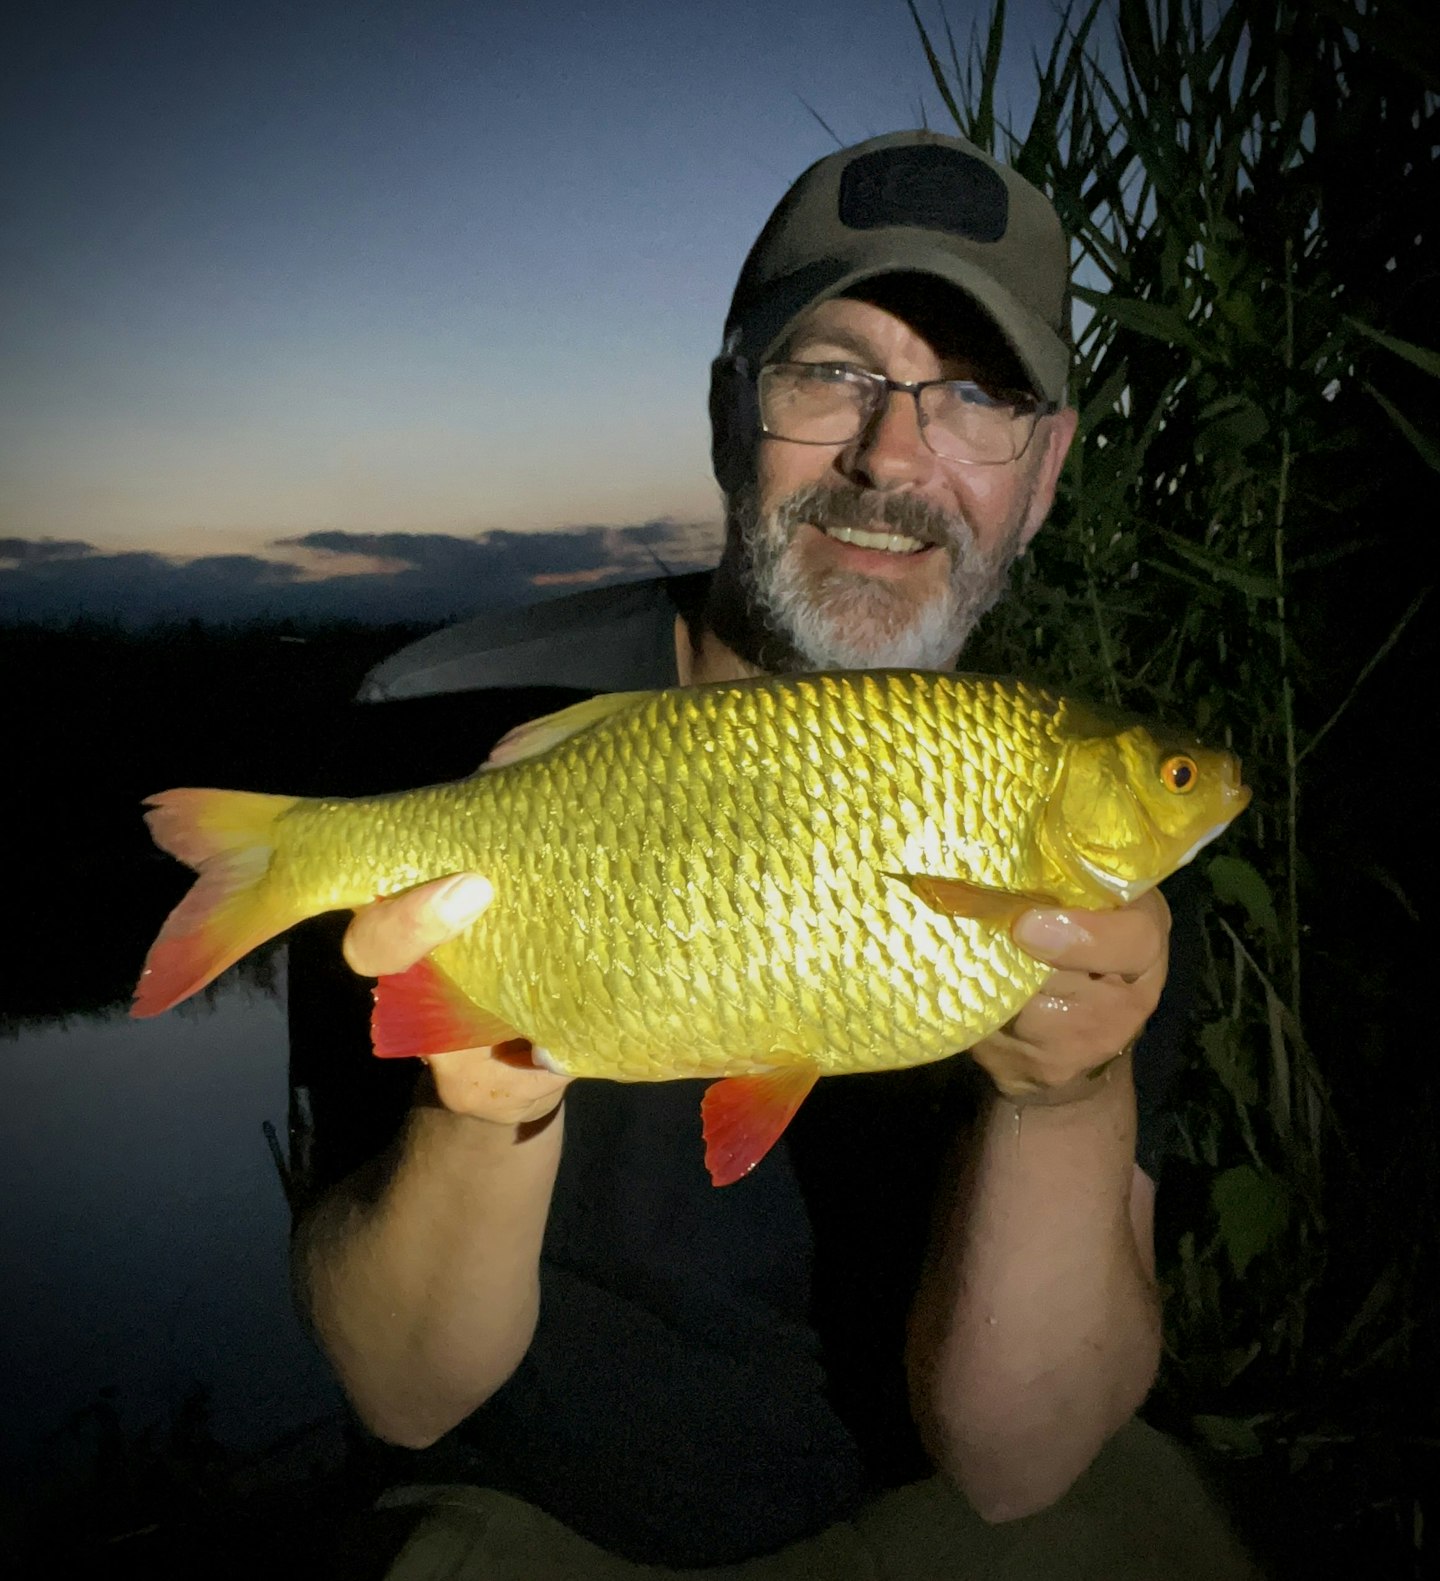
(1140, 1513)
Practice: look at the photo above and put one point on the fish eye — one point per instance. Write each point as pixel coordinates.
(1180, 773)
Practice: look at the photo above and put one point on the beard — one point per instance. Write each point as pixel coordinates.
(784, 616)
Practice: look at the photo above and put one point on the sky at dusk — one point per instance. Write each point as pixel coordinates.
(286, 286)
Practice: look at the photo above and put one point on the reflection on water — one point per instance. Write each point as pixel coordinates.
(145, 1225)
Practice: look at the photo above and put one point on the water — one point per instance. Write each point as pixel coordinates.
(145, 1228)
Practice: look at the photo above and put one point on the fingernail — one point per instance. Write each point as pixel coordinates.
(463, 900)
(1048, 932)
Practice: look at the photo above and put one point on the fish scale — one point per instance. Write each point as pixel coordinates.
(760, 880)
(810, 1001)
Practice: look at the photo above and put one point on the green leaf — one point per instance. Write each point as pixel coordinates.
(1254, 584)
(1232, 1435)
(1145, 318)
(1253, 1210)
(994, 46)
(1100, 404)
(1428, 449)
(1421, 356)
(1222, 1054)
(1238, 309)
(1382, 1295)
(1244, 425)
(1235, 881)
(1235, 1360)
(937, 72)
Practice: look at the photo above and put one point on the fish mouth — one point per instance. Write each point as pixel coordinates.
(1238, 794)
(1126, 890)
(1238, 799)
(1206, 838)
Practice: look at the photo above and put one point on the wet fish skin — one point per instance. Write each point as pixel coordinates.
(772, 879)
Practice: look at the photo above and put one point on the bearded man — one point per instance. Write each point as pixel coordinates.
(913, 1341)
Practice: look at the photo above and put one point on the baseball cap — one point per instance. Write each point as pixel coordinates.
(912, 202)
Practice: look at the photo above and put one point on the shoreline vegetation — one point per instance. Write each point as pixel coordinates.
(1251, 189)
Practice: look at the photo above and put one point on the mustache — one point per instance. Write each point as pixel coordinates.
(843, 505)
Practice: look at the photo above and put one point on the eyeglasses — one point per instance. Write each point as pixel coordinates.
(831, 403)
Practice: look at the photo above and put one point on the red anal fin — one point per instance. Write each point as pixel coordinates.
(957, 897)
(744, 1116)
(421, 1012)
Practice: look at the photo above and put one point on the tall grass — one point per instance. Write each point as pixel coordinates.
(1242, 544)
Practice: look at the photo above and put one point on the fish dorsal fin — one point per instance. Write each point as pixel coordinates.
(959, 897)
(539, 735)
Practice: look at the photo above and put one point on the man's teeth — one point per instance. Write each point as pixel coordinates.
(890, 542)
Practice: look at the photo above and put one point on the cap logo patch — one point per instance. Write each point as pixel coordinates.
(938, 189)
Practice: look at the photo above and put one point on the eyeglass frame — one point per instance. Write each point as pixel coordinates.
(1036, 408)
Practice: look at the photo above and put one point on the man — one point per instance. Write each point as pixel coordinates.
(926, 1287)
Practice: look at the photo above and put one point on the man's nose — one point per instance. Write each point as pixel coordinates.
(891, 450)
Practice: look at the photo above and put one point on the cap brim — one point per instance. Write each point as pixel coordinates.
(1041, 351)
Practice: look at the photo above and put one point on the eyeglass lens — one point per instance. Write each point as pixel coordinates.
(820, 404)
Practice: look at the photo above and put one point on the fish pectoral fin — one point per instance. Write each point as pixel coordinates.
(539, 735)
(744, 1116)
(959, 897)
(422, 1011)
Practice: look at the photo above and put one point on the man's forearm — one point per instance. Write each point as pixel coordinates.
(1036, 1333)
(424, 1292)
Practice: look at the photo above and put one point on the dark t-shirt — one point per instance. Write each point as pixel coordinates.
(715, 1372)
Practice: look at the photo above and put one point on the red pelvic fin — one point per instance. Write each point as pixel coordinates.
(228, 838)
(422, 1011)
(744, 1116)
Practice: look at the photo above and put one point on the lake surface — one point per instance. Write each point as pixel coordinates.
(145, 1226)
(144, 1233)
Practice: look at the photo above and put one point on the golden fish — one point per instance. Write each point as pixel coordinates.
(765, 881)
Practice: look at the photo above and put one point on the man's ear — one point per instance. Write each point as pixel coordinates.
(1058, 433)
(734, 424)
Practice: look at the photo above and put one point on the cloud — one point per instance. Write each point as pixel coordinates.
(506, 568)
(523, 555)
(34, 551)
(420, 578)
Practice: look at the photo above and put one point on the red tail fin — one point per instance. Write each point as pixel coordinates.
(228, 838)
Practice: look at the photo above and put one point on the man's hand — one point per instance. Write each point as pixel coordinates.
(498, 1083)
(1036, 1330)
(1110, 968)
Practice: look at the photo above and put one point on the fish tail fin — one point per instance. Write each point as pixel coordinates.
(228, 837)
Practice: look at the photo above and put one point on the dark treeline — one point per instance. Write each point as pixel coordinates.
(97, 717)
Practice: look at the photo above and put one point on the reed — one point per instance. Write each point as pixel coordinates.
(1252, 192)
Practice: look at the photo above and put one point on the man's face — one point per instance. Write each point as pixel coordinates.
(879, 552)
